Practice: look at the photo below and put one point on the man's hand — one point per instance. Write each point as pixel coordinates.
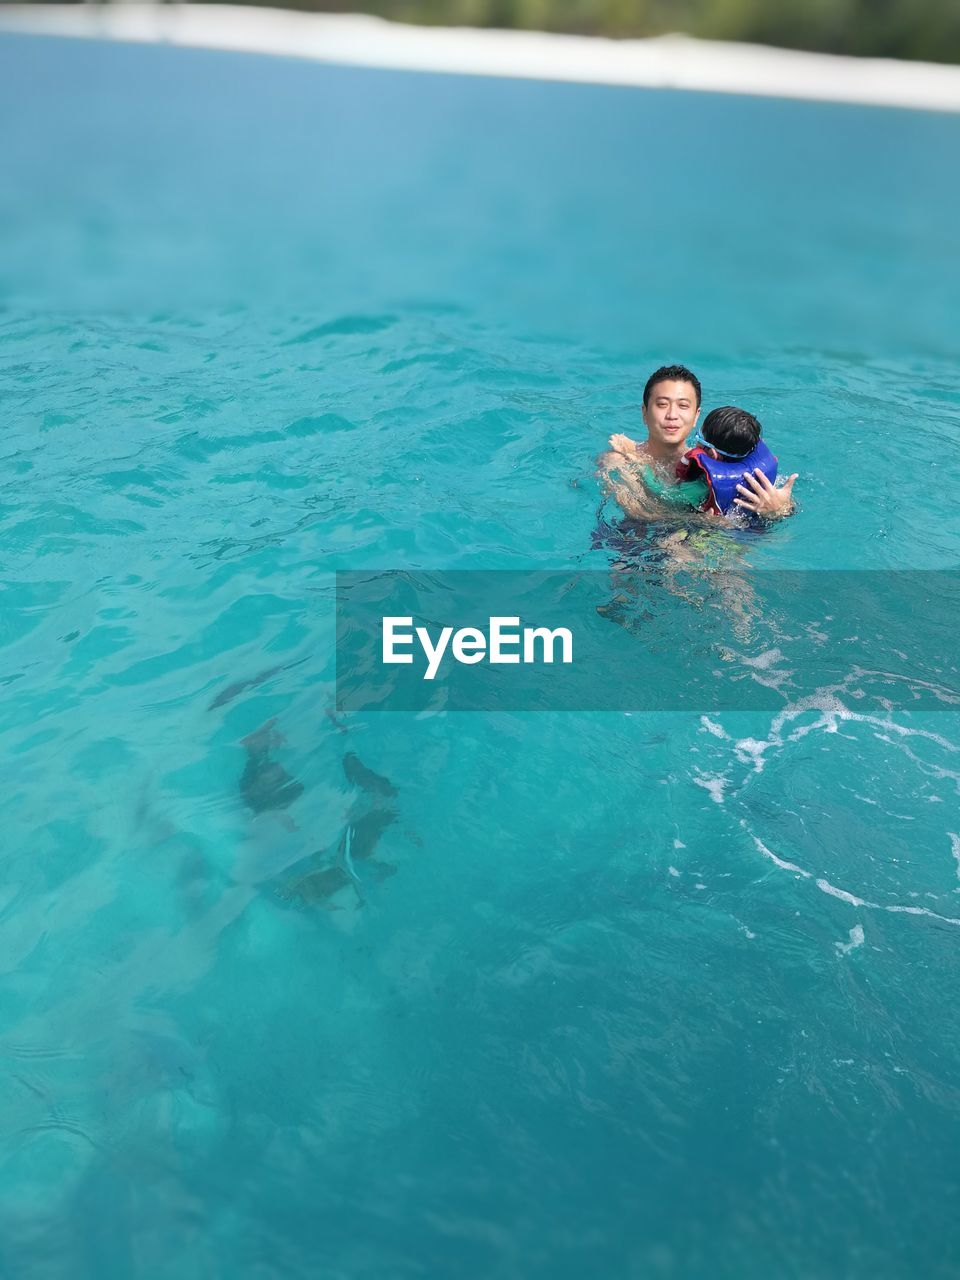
(763, 499)
(621, 449)
(626, 446)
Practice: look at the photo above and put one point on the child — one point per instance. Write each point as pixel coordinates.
(727, 449)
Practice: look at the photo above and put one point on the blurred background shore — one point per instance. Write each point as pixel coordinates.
(704, 47)
(919, 30)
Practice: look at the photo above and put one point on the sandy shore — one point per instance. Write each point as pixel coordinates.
(668, 62)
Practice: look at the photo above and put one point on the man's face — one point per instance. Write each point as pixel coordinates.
(671, 413)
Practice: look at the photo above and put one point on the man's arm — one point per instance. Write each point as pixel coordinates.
(631, 501)
(764, 499)
(620, 481)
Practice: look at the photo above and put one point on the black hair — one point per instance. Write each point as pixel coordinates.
(732, 432)
(671, 373)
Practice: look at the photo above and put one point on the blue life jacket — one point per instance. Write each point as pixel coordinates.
(724, 474)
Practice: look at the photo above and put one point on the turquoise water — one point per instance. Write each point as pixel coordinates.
(659, 995)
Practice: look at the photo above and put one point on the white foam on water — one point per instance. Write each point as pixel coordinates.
(918, 911)
(764, 661)
(826, 887)
(751, 751)
(780, 862)
(834, 713)
(933, 770)
(713, 785)
(831, 889)
(828, 713)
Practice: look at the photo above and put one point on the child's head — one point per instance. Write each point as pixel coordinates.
(730, 432)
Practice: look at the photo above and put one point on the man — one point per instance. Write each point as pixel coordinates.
(671, 407)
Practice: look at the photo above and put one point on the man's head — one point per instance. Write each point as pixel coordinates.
(731, 432)
(671, 406)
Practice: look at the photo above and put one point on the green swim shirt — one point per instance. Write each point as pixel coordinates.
(688, 493)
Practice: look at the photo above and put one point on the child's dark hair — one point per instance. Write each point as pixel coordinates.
(732, 432)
